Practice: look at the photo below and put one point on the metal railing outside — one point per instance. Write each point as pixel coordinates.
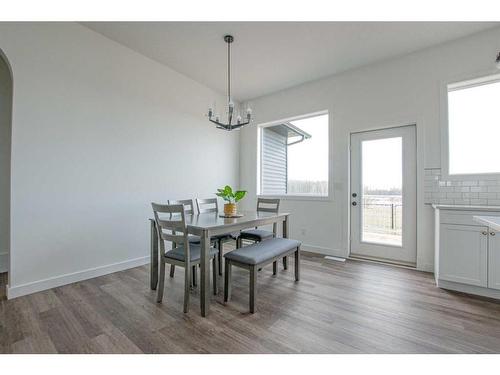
(380, 217)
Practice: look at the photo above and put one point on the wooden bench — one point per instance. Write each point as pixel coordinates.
(256, 256)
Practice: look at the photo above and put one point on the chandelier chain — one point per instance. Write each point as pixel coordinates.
(214, 117)
(229, 71)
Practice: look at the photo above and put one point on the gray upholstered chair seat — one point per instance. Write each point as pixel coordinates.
(194, 250)
(194, 239)
(256, 234)
(223, 237)
(262, 251)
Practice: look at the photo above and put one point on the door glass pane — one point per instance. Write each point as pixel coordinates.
(382, 182)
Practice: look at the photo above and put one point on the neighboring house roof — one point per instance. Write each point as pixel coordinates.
(290, 131)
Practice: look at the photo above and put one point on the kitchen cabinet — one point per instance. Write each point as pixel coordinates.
(467, 250)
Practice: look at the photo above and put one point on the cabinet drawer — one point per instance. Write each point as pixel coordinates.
(464, 217)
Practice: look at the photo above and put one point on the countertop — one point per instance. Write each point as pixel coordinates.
(464, 207)
(492, 222)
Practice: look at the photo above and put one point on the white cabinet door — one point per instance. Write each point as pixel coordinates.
(494, 260)
(463, 254)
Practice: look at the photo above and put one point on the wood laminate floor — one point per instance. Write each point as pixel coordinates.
(351, 307)
(3, 284)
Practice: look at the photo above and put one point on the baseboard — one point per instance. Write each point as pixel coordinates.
(425, 267)
(4, 261)
(53, 282)
(335, 259)
(323, 250)
(469, 289)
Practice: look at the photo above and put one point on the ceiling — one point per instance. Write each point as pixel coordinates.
(271, 56)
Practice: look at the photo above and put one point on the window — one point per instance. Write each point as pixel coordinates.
(474, 126)
(294, 157)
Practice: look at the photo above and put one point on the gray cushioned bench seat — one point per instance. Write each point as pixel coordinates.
(262, 251)
(259, 254)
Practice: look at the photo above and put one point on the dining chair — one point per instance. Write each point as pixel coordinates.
(211, 205)
(257, 235)
(171, 226)
(188, 210)
(187, 203)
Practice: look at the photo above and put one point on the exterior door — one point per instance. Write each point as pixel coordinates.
(383, 195)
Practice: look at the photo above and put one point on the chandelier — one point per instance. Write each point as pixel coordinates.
(231, 122)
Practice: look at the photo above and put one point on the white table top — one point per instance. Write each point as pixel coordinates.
(492, 222)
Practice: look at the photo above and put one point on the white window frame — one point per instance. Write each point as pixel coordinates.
(297, 197)
(478, 79)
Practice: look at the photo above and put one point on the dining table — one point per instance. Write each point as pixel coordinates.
(207, 225)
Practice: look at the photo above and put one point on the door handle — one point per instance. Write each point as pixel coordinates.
(484, 233)
(354, 203)
(492, 233)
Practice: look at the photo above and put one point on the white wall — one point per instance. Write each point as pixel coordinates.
(396, 92)
(5, 132)
(98, 132)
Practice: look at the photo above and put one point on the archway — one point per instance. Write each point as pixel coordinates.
(5, 168)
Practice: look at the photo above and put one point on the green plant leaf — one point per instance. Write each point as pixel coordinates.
(228, 195)
(240, 194)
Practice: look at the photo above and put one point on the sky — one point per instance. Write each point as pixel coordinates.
(382, 163)
(308, 160)
(474, 129)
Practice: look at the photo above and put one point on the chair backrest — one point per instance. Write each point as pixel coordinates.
(188, 205)
(268, 205)
(207, 205)
(170, 224)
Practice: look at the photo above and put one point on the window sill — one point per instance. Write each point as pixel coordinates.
(297, 197)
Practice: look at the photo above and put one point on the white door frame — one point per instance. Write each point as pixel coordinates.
(410, 242)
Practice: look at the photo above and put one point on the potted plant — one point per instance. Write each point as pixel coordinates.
(231, 198)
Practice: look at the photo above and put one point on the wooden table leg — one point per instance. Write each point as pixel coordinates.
(285, 235)
(153, 262)
(205, 273)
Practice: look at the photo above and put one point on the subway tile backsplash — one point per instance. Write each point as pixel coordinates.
(484, 192)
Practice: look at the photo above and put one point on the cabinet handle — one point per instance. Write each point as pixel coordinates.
(484, 233)
(492, 233)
